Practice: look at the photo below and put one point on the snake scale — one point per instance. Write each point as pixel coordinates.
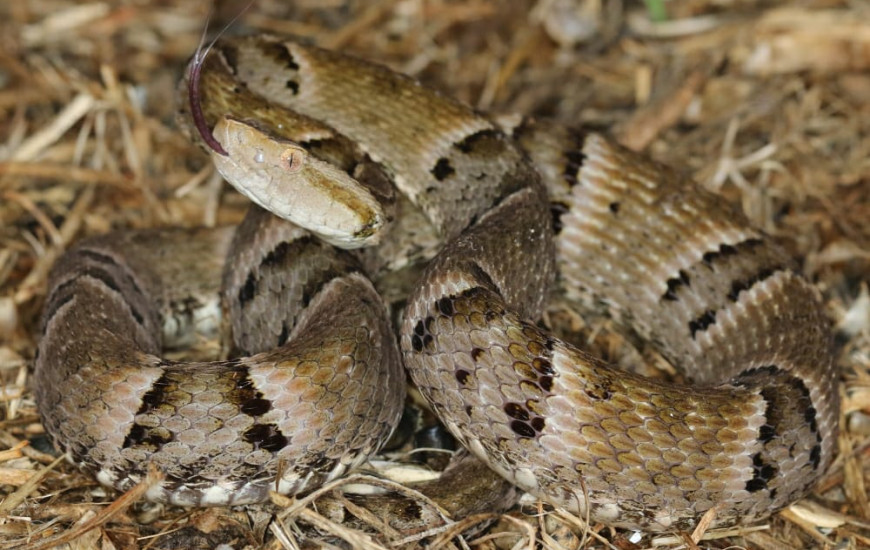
(351, 151)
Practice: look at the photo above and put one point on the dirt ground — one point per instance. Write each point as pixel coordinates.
(764, 102)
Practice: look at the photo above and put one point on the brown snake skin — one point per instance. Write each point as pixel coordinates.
(719, 300)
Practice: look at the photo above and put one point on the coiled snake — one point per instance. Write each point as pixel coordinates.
(316, 384)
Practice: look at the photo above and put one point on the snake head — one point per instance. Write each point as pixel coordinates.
(287, 180)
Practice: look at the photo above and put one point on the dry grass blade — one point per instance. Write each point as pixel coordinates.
(117, 507)
(46, 171)
(12, 501)
(70, 115)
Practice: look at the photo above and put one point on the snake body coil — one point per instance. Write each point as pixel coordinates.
(666, 259)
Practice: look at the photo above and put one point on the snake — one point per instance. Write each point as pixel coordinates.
(370, 172)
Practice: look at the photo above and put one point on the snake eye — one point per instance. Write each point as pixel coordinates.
(292, 159)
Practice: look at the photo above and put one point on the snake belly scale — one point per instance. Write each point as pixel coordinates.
(516, 207)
